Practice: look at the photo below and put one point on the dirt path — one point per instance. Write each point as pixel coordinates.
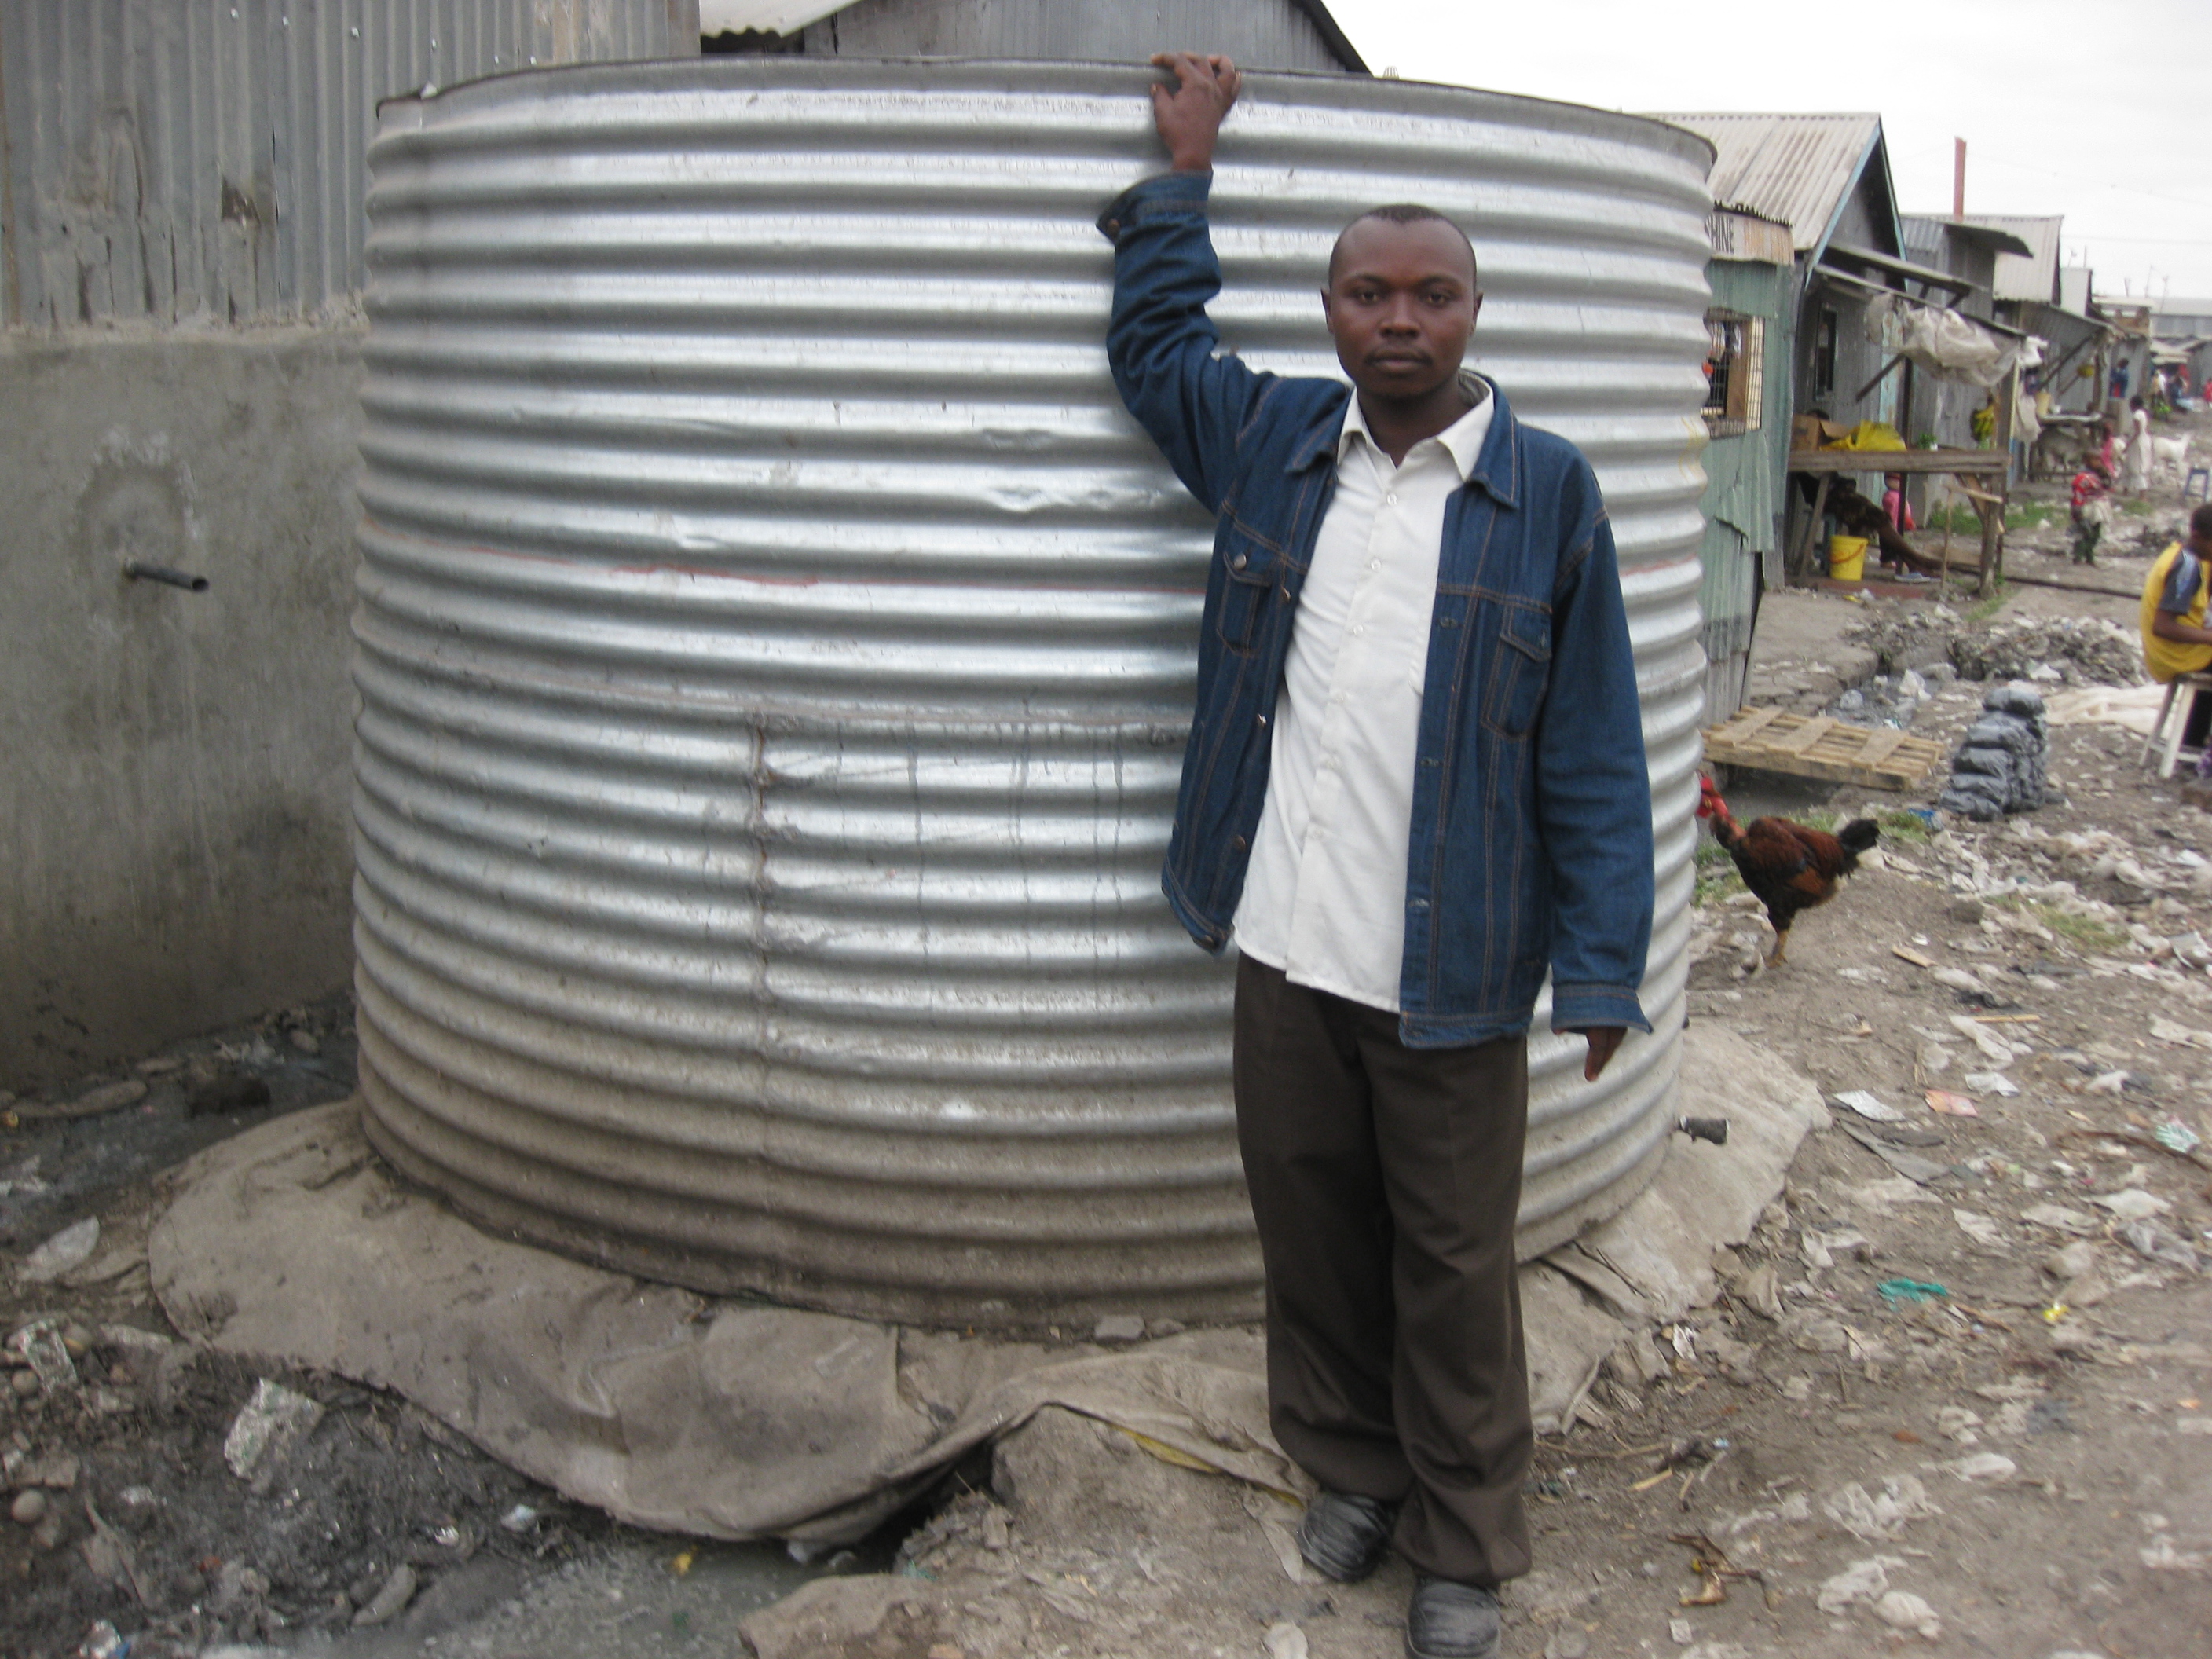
(1966, 1363)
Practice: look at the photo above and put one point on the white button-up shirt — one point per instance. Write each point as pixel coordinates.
(1325, 890)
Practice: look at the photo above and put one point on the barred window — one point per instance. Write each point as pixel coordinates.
(1735, 354)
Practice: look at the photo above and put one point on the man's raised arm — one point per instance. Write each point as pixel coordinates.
(1161, 343)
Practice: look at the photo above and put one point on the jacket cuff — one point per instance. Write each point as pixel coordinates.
(1578, 1007)
(1164, 196)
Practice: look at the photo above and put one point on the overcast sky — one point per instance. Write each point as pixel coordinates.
(2053, 99)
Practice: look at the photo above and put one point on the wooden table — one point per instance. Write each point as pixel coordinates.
(1964, 464)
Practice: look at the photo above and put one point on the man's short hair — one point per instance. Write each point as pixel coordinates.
(2200, 522)
(1408, 213)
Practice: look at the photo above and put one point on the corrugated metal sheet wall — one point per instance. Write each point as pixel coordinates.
(204, 159)
(1742, 532)
(776, 647)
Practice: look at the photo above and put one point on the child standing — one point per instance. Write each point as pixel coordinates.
(1894, 504)
(2090, 511)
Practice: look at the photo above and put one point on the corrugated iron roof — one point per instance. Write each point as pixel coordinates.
(1924, 233)
(2033, 276)
(1796, 168)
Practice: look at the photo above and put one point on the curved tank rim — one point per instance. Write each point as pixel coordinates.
(1073, 75)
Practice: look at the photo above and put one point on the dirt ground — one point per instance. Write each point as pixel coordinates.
(1957, 1396)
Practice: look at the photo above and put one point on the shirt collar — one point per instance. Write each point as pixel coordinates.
(1462, 440)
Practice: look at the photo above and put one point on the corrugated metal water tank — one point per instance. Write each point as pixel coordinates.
(776, 645)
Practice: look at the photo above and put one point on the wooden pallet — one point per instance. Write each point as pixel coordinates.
(1877, 756)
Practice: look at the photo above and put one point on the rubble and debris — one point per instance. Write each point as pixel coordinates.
(2044, 650)
(1869, 1106)
(390, 1600)
(267, 1425)
(68, 1249)
(1909, 1612)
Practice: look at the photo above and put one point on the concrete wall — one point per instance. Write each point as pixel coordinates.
(177, 765)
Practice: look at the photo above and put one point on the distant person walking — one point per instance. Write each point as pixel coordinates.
(2136, 481)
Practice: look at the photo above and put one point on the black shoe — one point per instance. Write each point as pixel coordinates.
(1343, 1536)
(1448, 1620)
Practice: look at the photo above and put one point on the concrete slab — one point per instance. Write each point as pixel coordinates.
(735, 1420)
(1799, 660)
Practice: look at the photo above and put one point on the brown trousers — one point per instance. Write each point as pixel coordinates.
(1385, 1180)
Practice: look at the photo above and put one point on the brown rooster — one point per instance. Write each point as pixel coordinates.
(1789, 866)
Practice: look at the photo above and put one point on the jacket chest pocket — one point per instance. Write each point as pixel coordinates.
(1249, 571)
(1521, 671)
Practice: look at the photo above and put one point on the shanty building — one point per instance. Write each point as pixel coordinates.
(1751, 275)
(182, 240)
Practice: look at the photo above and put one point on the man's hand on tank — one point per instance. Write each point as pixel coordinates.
(1189, 114)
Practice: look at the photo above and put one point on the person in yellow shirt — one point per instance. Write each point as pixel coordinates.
(2175, 639)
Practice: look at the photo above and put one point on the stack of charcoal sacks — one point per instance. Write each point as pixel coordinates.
(2004, 759)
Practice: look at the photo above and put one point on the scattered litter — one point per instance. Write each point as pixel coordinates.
(1948, 1104)
(1759, 1291)
(1959, 1424)
(2059, 1218)
(1957, 979)
(1980, 1229)
(1878, 1518)
(2175, 1135)
(520, 1519)
(70, 1248)
(1908, 1165)
(2055, 1312)
(1908, 1611)
(1990, 1083)
(1285, 1641)
(2159, 1554)
(1885, 1194)
(2130, 1204)
(1990, 1468)
(1867, 1106)
(1862, 1581)
(1896, 1291)
(2071, 1261)
(272, 1421)
(1119, 1328)
(2107, 1083)
(40, 1346)
(2166, 1032)
(1819, 1248)
(2157, 1242)
(1982, 1037)
(104, 1641)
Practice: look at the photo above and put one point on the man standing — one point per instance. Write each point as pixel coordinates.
(1415, 782)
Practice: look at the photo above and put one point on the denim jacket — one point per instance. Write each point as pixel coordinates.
(1531, 840)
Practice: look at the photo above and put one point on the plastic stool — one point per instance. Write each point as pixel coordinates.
(2198, 482)
(2160, 739)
